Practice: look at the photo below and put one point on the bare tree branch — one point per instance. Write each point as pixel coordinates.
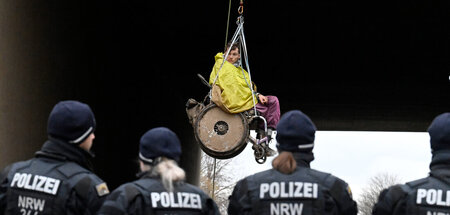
(223, 184)
(370, 193)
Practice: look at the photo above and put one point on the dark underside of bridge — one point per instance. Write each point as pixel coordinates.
(352, 65)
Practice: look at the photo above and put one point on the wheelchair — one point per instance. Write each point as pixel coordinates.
(223, 135)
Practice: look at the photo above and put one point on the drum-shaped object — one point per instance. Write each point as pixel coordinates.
(220, 134)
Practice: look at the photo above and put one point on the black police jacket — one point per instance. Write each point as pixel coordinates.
(148, 196)
(305, 191)
(430, 195)
(56, 181)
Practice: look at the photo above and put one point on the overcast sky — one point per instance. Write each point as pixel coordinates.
(357, 156)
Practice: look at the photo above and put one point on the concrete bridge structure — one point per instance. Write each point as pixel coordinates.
(349, 66)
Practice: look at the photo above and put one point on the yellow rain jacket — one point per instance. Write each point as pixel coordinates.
(235, 94)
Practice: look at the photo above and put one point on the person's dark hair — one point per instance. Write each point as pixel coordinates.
(284, 163)
(233, 46)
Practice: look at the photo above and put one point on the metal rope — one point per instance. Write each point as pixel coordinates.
(244, 49)
(226, 39)
(228, 23)
(214, 179)
(239, 35)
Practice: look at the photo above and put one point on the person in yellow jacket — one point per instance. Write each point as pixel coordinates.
(231, 88)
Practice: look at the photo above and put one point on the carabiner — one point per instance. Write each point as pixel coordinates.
(241, 8)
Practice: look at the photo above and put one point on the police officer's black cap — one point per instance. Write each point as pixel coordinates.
(295, 132)
(159, 142)
(439, 131)
(71, 121)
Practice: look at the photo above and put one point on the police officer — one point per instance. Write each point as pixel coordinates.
(58, 180)
(292, 187)
(161, 188)
(430, 195)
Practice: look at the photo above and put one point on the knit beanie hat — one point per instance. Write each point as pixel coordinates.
(439, 131)
(71, 121)
(295, 132)
(158, 142)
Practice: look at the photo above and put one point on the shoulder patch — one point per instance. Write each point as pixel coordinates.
(102, 189)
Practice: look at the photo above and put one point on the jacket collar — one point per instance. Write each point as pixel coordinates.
(142, 174)
(303, 159)
(440, 165)
(147, 174)
(56, 149)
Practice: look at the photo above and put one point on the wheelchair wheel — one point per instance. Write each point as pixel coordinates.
(220, 134)
(260, 154)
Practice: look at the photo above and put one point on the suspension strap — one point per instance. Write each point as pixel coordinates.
(238, 35)
(244, 49)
